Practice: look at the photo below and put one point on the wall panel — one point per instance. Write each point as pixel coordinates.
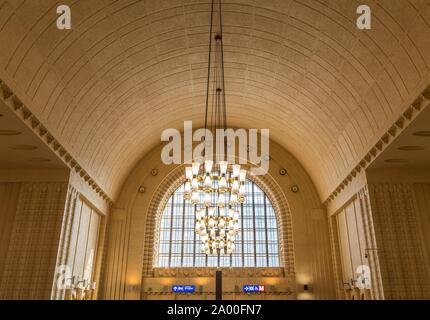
(9, 193)
(29, 264)
(401, 243)
(422, 196)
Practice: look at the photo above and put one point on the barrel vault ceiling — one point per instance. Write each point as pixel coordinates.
(129, 69)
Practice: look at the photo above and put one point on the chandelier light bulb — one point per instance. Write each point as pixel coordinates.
(235, 186)
(187, 191)
(221, 200)
(231, 225)
(198, 215)
(236, 170)
(236, 227)
(195, 198)
(236, 216)
(196, 168)
(233, 199)
(211, 212)
(211, 223)
(207, 199)
(242, 175)
(188, 173)
(208, 166)
(222, 184)
(187, 188)
(207, 183)
(223, 167)
(242, 190)
(222, 212)
(194, 185)
(231, 213)
(221, 223)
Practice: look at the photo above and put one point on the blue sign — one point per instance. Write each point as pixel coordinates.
(253, 288)
(181, 288)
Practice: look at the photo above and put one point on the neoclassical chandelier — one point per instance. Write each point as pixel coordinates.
(216, 189)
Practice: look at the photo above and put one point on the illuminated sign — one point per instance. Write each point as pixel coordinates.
(253, 288)
(181, 288)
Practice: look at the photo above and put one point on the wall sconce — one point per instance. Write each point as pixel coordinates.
(80, 289)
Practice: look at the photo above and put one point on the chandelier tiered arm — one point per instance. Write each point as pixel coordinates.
(214, 192)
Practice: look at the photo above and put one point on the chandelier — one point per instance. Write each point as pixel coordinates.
(216, 189)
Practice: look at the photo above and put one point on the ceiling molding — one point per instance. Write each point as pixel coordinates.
(411, 112)
(24, 113)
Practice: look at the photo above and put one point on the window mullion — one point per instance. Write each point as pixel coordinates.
(243, 236)
(194, 238)
(171, 230)
(266, 232)
(183, 233)
(253, 224)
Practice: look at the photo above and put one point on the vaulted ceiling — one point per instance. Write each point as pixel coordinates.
(129, 69)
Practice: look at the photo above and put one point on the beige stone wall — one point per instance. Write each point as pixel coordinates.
(401, 242)
(33, 215)
(422, 197)
(9, 193)
(127, 244)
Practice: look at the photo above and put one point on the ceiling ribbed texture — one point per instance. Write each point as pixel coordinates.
(128, 69)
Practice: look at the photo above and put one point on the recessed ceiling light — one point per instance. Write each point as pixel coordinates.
(23, 147)
(396, 160)
(422, 133)
(39, 159)
(9, 133)
(411, 148)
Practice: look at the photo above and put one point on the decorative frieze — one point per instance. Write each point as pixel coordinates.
(226, 272)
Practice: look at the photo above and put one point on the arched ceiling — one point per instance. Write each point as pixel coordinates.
(129, 69)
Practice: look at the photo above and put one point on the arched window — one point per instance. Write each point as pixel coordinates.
(256, 244)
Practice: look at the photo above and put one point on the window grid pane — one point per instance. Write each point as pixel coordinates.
(256, 244)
